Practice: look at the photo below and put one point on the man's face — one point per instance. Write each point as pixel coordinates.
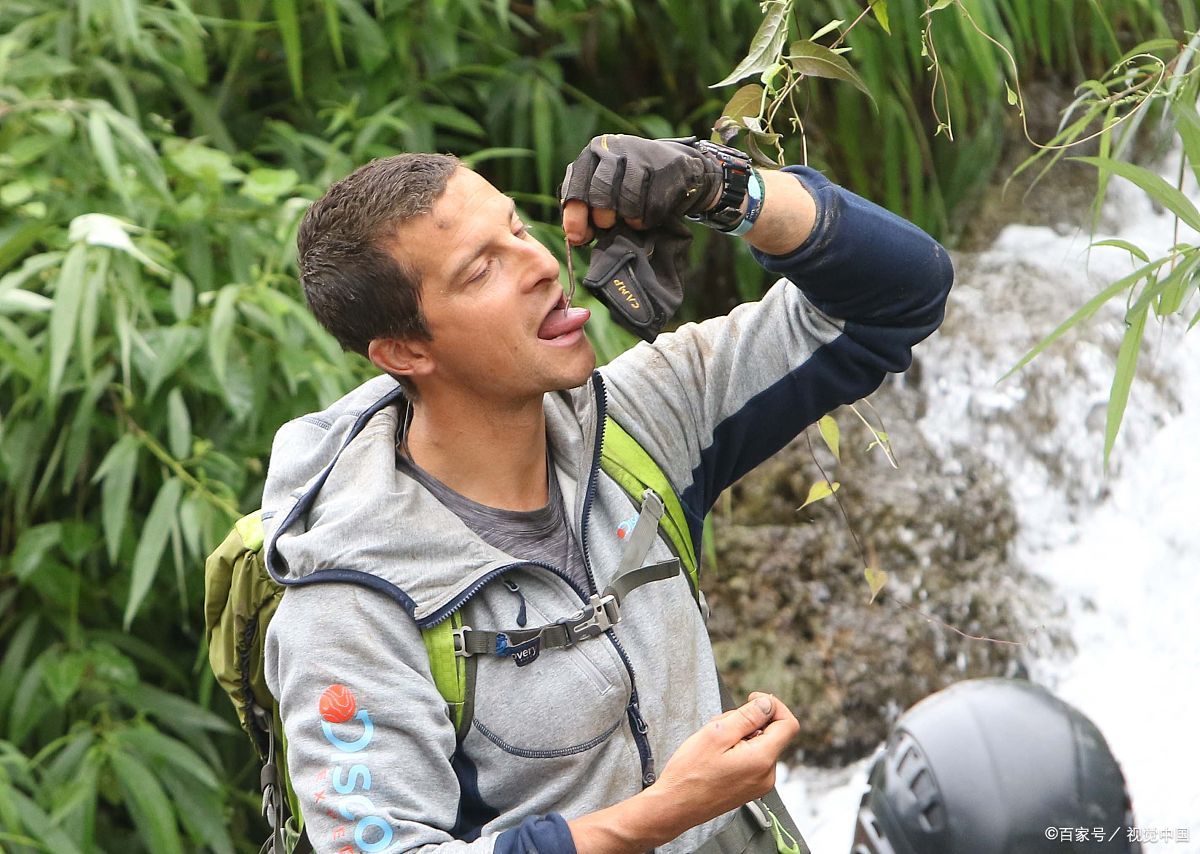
(487, 290)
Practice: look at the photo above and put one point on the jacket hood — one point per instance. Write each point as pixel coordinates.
(336, 508)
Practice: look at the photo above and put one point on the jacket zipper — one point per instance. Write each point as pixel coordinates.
(637, 724)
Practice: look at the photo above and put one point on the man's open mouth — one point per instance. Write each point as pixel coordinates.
(560, 321)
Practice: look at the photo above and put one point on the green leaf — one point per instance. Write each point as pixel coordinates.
(825, 30)
(117, 471)
(100, 135)
(1118, 396)
(18, 644)
(203, 163)
(173, 711)
(880, 9)
(876, 579)
(289, 32)
(62, 674)
(1187, 125)
(39, 824)
(152, 744)
(483, 154)
(819, 61)
(17, 301)
(1154, 185)
(179, 425)
(32, 547)
(64, 317)
(268, 185)
(1010, 95)
(221, 329)
(333, 24)
(1118, 243)
(765, 47)
(152, 812)
(746, 101)
(818, 491)
(1086, 311)
(828, 428)
(150, 547)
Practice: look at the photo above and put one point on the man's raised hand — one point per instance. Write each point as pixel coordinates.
(644, 182)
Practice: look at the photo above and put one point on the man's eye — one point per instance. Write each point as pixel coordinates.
(482, 274)
(522, 230)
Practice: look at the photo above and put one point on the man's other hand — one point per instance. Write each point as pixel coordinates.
(645, 182)
(729, 761)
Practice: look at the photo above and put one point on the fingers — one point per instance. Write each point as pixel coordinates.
(578, 227)
(736, 724)
(575, 222)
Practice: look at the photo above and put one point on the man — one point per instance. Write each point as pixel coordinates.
(479, 493)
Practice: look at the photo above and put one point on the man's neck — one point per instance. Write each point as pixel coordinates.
(494, 456)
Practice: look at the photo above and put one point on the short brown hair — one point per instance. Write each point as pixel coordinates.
(354, 285)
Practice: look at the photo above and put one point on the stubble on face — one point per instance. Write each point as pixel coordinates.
(484, 327)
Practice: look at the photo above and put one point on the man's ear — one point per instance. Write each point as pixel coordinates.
(401, 357)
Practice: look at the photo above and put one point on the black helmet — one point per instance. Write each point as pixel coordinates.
(994, 766)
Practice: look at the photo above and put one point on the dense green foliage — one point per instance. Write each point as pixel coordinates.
(155, 158)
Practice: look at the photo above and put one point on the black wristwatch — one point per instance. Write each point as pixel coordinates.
(727, 213)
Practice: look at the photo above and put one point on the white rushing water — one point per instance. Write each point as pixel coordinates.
(1123, 551)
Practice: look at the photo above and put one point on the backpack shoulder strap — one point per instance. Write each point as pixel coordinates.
(626, 462)
(452, 674)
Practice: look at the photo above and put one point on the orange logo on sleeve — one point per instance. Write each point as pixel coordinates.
(337, 704)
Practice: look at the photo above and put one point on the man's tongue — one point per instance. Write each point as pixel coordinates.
(559, 322)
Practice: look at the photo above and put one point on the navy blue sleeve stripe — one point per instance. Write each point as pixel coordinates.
(839, 372)
(542, 834)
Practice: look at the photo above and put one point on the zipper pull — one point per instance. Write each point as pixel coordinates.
(521, 616)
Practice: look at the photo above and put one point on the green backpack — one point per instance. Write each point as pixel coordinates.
(241, 597)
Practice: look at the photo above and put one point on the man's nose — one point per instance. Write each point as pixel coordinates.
(541, 262)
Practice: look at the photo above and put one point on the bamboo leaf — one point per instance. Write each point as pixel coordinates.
(1118, 397)
(38, 823)
(876, 579)
(289, 32)
(333, 24)
(828, 428)
(32, 547)
(150, 547)
(818, 491)
(825, 30)
(221, 330)
(1118, 243)
(117, 471)
(152, 744)
(173, 711)
(17, 301)
(152, 812)
(1086, 311)
(765, 47)
(100, 135)
(1187, 125)
(64, 317)
(179, 425)
(15, 656)
(1154, 185)
(816, 60)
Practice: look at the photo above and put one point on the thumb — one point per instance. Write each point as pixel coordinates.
(738, 723)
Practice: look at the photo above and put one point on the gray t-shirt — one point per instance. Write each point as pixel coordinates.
(541, 535)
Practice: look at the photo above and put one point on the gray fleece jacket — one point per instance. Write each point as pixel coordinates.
(372, 751)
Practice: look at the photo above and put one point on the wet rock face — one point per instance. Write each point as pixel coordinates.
(789, 602)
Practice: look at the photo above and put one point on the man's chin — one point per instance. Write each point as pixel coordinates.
(578, 369)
